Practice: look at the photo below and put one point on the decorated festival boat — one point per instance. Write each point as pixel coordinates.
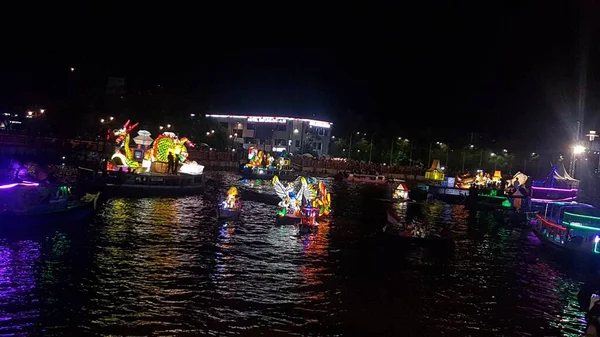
(33, 204)
(154, 168)
(400, 192)
(231, 207)
(294, 205)
(264, 166)
(570, 226)
(558, 186)
(322, 202)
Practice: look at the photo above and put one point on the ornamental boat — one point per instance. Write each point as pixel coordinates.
(32, 204)
(231, 207)
(558, 186)
(294, 199)
(570, 226)
(264, 166)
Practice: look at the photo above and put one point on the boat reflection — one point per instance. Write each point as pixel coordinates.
(17, 284)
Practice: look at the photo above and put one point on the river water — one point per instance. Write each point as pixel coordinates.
(166, 267)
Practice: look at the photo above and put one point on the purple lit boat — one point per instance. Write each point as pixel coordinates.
(558, 186)
(24, 204)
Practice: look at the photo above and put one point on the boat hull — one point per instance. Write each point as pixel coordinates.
(288, 220)
(149, 191)
(585, 248)
(268, 175)
(58, 217)
(227, 214)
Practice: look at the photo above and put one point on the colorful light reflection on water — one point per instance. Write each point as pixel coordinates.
(165, 266)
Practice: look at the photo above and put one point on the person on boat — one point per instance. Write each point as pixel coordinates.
(516, 184)
(120, 176)
(170, 162)
(176, 165)
(589, 302)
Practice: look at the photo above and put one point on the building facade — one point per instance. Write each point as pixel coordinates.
(276, 134)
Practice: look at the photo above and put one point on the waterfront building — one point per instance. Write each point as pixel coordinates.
(276, 134)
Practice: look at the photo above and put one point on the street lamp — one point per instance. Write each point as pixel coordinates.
(168, 126)
(101, 120)
(111, 118)
(578, 149)
(296, 131)
(160, 127)
(42, 111)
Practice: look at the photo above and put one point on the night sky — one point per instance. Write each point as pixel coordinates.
(441, 70)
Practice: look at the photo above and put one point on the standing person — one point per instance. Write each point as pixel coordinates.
(170, 163)
(176, 165)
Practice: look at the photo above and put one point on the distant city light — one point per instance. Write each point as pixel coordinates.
(192, 115)
(42, 111)
(30, 113)
(72, 69)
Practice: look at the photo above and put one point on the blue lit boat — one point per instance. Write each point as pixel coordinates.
(570, 226)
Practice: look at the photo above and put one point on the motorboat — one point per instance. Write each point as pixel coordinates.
(570, 226)
(366, 178)
(43, 206)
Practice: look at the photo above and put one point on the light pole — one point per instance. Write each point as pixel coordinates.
(392, 149)
(370, 148)
(350, 144)
(577, 150)
(471, 146)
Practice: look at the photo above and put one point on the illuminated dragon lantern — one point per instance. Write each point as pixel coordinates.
(323, 200)
(168, 142)
(123, 151)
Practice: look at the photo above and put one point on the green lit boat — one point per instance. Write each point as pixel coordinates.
(571, 226)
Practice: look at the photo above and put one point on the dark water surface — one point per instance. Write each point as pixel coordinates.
(166, 267)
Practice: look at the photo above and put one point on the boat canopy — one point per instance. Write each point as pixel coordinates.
(519, 175)
(434, 172)
(558, 178)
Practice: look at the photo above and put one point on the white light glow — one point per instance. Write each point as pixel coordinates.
(278, 149)
(191, 168)
(279, 120)
(577, 149)
(275, 119)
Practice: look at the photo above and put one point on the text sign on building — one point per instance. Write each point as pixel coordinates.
(319, 124)
(267, 120)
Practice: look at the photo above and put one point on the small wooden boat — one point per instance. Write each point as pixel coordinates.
(266, 174)
(366, 178)
(569, 226)
(231, 207)
(415, 235)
